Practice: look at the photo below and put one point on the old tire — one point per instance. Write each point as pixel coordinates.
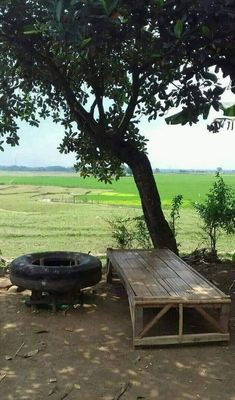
(55, 272)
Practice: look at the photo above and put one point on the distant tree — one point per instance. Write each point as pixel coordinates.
(97, 66)
(156, 170)
(217, 212)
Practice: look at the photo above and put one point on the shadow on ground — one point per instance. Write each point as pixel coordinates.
(86, 353)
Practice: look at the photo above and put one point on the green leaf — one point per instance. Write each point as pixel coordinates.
(209, 76)
(178, 28)
(59, 9)
(30, 30)
(206, 111)
(205, 30)
(230, 111)
(159, 3)
(104, 5)
(85, 42)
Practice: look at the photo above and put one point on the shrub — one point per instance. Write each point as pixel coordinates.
(217, 212)
(175, 212)
(130, 232)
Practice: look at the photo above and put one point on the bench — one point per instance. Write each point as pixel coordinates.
(159, 283)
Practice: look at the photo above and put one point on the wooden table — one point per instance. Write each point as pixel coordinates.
(159, 280)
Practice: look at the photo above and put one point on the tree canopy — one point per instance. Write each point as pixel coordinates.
(98, 66)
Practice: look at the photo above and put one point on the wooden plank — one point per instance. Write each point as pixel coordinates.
(157, 317)
(224, 317)
(109, 275)
(159, 276)
(137, 320)
(181, 317)
(174, 339)
(155, 301)
(179, 267)
(196, 273)
(208, 317)
(140, 281)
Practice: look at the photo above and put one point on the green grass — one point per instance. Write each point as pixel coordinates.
(193, 187)
(30, 222)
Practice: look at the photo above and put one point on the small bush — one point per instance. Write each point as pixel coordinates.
(217, 212)
(130, 232)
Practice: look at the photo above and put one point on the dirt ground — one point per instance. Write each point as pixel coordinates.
(86, 353)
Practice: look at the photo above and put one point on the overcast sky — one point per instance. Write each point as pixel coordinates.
(168, 147)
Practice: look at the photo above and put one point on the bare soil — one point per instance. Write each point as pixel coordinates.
(86, 353)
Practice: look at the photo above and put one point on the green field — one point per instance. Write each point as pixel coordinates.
(193, 187)
(39, 213)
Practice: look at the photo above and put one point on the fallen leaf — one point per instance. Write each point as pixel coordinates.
(41, 331)
(52, 380)
(77, 386)
(8, 358)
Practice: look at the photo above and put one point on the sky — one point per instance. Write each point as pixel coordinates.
(175, 146)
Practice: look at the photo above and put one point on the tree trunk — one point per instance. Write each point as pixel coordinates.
(158, 227)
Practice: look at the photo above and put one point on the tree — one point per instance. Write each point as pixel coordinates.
(217, 212)
(96, 66)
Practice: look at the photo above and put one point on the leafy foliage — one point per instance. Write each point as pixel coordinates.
(218, 211)
(175, 212)
(97, 66)
(130, 232)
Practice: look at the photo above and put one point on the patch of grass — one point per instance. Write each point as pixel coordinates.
(28, 224)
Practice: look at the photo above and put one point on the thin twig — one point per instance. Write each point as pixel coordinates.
(18, 350)
(122, 391)
(2, 377)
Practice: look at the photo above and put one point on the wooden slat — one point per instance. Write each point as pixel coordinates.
(208, 317)
(174, 339)
(153, 321)
(181, 321)
(139, 280)
(155, 301)
(176, 261)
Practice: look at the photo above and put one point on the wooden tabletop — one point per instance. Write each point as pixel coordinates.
(159, 275)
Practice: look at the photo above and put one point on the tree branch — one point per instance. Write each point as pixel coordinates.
(58, 78)
(132, 103)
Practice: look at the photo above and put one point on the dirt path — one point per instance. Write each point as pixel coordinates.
(87, 354)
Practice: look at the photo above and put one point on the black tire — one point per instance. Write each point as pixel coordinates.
(62, 272)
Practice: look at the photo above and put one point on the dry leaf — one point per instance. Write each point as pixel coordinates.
(77, 386)
(52, 380)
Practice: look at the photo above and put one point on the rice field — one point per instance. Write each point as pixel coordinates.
(42, 213)
(192, 187)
